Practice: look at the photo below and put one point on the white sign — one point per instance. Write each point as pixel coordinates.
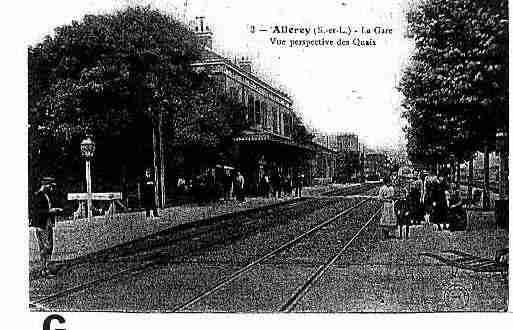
(109, 196)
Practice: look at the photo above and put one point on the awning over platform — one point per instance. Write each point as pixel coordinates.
(263, 138)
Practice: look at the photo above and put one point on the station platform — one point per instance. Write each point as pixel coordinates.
(76, 238)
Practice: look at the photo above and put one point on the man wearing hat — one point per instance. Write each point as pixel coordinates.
(43, 221)
(148, 194)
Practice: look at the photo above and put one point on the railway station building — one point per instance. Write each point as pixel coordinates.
(267, 144)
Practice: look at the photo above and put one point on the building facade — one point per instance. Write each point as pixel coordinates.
(375, 166)
(267, 145)
(348, 142)
(323, 165)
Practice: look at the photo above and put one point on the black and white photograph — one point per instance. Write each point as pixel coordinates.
(271, 157)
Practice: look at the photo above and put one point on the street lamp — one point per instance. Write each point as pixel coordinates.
(501, 205)
(87, 148)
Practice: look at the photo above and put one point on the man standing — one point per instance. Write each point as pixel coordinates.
(227, 185)
(277, 184)
(149, 195)
(299, 183)
(238, 186)
(43, 220)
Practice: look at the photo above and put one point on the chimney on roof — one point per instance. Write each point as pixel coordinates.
(245, 64)
(203, 33)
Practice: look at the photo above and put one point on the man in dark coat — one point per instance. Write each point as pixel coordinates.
(413, 200)
(238, 187)
(43, 220)
(298, 183)
(149, 195)
(227, 185)
(277, 183)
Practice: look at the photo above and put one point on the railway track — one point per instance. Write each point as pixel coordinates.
(153, 249)
(244, 270)
(199, 302)
(351, 190)
(321, 270)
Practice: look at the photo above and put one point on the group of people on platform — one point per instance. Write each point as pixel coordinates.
(277, 185)
(426, 199)
(207, 188)
(230, 185)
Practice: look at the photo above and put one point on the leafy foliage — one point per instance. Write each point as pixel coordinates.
(114, 76)
(456, 86)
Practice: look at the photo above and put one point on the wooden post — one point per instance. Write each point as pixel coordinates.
(139, 195)
(89, 190)
(470, 177)
(486, 179)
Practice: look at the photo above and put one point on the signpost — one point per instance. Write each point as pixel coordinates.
(87, 148)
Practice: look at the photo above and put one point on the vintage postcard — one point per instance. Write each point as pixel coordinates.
(191, 156)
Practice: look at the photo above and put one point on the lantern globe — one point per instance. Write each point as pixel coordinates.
(87, 148)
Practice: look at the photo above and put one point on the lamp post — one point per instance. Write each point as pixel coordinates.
(502, 147)
(501, 205)
(87, 148)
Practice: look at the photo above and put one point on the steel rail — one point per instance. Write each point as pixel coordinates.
(282, 206)
(286, 205)
(344, 191)
(321, 270)
(265, 257)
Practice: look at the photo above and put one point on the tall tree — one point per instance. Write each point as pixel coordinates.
(456, 87)
(117, 76)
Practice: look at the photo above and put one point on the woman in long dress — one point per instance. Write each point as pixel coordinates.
(413, 199)
(440, 207)
(388, 220)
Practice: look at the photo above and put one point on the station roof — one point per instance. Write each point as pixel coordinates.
(209, 57)
(266, 137)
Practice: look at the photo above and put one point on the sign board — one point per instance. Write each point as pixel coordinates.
(109, 196)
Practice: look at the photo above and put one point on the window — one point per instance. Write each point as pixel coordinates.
(265, 121)
(245, 106)
(258, 115)
(278, 121)
(272, 119)
(233, 93)
(286, 125)
(251, 109)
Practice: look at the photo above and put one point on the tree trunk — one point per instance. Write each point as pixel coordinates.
(486, 178)
(470, 177)
(503, 173)
(124, 188)
(155, 166)
(458, 174)
(162, 163)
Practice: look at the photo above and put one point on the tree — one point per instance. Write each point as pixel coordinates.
(117, 76)
(456, 86)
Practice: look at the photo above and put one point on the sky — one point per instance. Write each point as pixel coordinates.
(346, 89)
